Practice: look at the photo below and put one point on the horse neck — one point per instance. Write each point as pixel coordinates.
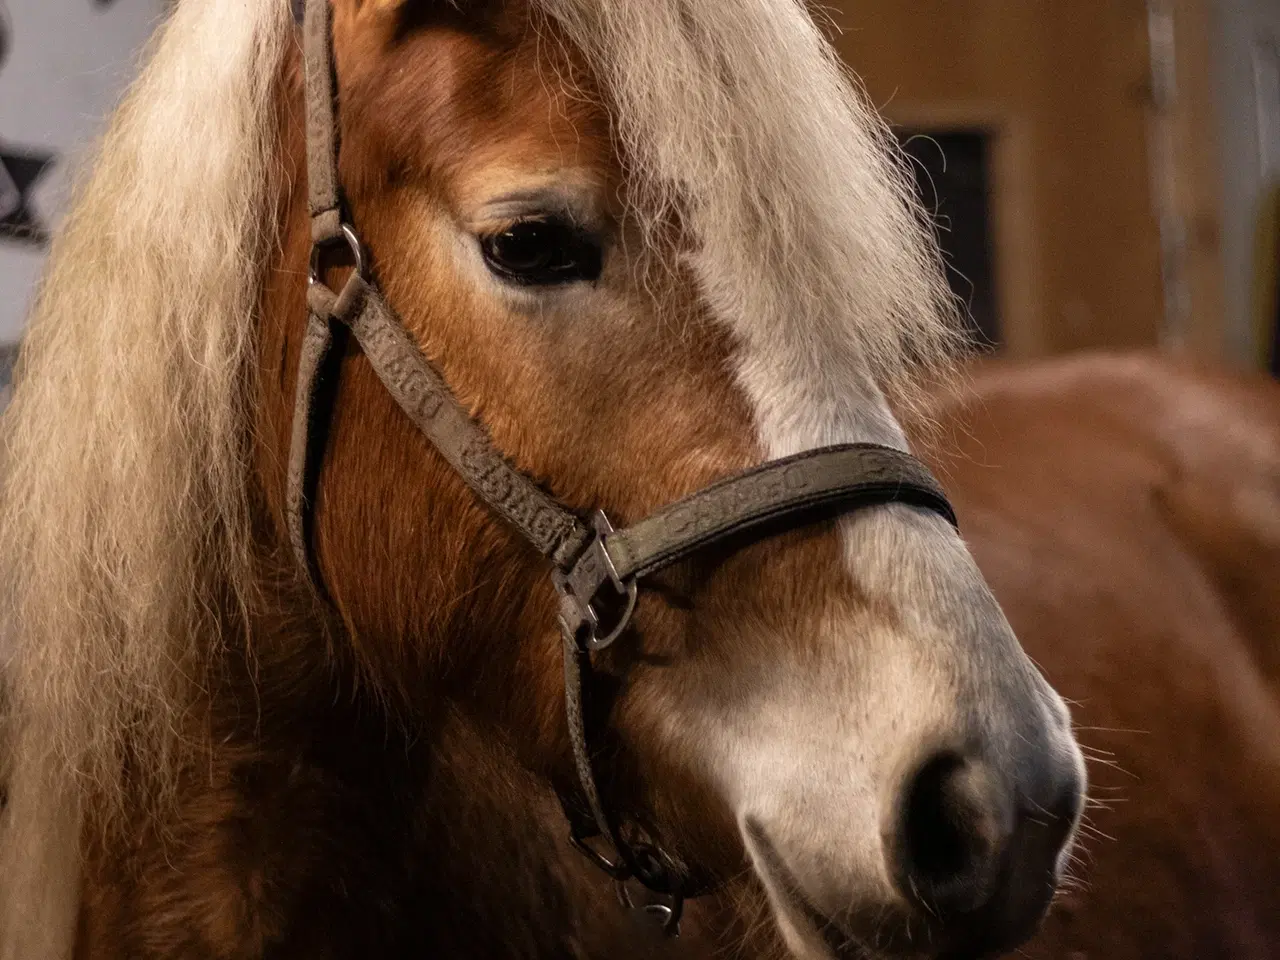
(502, 879)
(499, 877)
(455, 845)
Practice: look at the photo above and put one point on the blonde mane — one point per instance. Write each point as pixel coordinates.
(127, 545)
(124, 520)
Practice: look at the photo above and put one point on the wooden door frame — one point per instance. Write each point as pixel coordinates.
(1013, 220)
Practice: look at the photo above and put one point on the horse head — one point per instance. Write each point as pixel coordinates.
(645, 261)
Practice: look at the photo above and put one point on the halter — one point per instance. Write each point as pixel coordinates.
(597, 570)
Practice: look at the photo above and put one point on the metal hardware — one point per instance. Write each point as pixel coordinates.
(666, 915)
(580, 616)
(355, 247)
(665, 912)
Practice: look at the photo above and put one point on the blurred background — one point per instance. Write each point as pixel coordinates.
(1105, 173)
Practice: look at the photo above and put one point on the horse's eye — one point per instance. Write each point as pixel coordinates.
(543, 253)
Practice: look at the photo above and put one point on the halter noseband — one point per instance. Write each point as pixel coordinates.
(596, 570)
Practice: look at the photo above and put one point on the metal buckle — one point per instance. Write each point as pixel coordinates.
(353, 245)
(666, 915)
(666, 912)
(586, 631)
(651, 868)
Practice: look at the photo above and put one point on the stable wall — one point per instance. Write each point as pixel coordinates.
(1065, 90)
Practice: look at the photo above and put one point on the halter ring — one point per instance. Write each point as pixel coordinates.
(355, 247)
(579, 617)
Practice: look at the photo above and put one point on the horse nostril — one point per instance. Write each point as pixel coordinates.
(953, 829)
(978, 853)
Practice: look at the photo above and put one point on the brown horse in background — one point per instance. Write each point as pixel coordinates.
(1126, 511)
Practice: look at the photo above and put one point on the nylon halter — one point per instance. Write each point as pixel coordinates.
(597, 571)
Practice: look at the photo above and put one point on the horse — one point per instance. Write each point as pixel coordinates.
(286, 675)
(1123, 508)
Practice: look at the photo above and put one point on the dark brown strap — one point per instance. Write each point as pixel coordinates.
(844, 477)
(303, 455)
(322, 126)
(310, 423)
(778, 494)
(422, 394)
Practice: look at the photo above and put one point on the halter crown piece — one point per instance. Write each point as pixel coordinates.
(597, 571)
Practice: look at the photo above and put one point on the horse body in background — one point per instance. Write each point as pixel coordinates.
(1124, 510)
(647, 246)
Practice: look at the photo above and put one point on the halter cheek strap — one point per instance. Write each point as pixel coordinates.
(597, 571)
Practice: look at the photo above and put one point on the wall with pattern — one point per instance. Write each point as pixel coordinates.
(63, 66)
